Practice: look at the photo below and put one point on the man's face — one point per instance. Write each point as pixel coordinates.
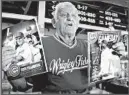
(30, 41)
(20, 40)
(67, 21)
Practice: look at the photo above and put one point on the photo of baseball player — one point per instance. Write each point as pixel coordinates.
(22, 48)
(23, 51)
(110, 61)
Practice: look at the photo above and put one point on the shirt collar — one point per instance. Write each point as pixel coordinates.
(62, 40)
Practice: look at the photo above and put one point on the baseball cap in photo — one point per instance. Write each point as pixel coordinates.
(19, 34)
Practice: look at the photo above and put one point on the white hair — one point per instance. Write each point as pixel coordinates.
(61, 6)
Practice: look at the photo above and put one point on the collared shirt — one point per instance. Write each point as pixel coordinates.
(63, 40)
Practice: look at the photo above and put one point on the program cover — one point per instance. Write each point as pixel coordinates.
(96, 42)
(22, 52)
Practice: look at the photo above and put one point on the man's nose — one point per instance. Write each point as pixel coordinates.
(69, 17)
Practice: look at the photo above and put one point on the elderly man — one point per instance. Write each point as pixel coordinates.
(66, 56)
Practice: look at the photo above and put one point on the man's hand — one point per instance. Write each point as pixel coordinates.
(19, 58)
(120, 48)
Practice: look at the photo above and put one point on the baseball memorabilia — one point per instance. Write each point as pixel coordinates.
(104, 60)
(24, 58)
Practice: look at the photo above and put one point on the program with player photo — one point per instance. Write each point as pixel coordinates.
(104, 59)
(22, 52)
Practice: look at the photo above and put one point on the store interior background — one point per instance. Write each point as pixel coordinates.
(14, 12)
